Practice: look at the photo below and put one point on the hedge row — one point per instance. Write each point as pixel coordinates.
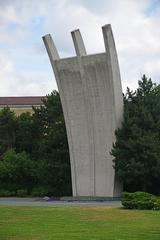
(36, 192)
(140, 200)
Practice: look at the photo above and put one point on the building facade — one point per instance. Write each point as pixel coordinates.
(21, 104)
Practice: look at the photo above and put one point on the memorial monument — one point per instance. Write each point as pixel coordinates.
(92, 101)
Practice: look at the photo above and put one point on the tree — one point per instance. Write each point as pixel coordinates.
(41, 152)
(137, 148)
(7, 130)
(17, 171)
(27, 135)
(53, 152)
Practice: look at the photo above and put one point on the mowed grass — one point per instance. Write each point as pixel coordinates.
(78, 223)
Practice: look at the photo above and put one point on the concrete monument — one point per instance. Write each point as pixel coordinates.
(91, 96)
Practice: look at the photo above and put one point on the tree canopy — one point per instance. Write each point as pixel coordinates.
(53, 146)
(137, 148)
(39, 139)
(7, 130)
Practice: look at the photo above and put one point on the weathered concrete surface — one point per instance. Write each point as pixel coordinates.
(91, 96)
(78, 43)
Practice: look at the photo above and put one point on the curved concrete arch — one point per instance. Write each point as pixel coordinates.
(78, 43)
(91, 96)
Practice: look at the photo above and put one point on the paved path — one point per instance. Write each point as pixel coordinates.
(40, 202)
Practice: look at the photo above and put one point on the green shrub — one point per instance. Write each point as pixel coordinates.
(17, 171)
(39, 192)
(21, 193)
(6, 193)
(157, 204)
(139, 200)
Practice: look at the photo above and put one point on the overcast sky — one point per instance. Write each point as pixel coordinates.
(24, 65)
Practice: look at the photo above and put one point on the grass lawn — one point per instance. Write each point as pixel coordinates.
(78, 223)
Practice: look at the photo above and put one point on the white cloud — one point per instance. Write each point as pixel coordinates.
(18, 82)
(137, 34)
(22, 23)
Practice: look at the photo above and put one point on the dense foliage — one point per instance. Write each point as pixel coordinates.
(140, 200)
(17, 171)
(34, 156)
(7, 130)
(137, 149)
(53, 147)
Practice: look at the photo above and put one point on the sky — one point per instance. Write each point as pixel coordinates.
(25, 69)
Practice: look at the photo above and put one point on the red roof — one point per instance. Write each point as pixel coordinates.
(21, 100)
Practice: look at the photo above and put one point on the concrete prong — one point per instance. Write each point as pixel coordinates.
(108, 37)
(78, 43)
(50, 47)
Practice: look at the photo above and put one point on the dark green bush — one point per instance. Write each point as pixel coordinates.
(21, 193)
(140, 200)
(17, 171)
(39, 192)
(6, 193)
(157, 204)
